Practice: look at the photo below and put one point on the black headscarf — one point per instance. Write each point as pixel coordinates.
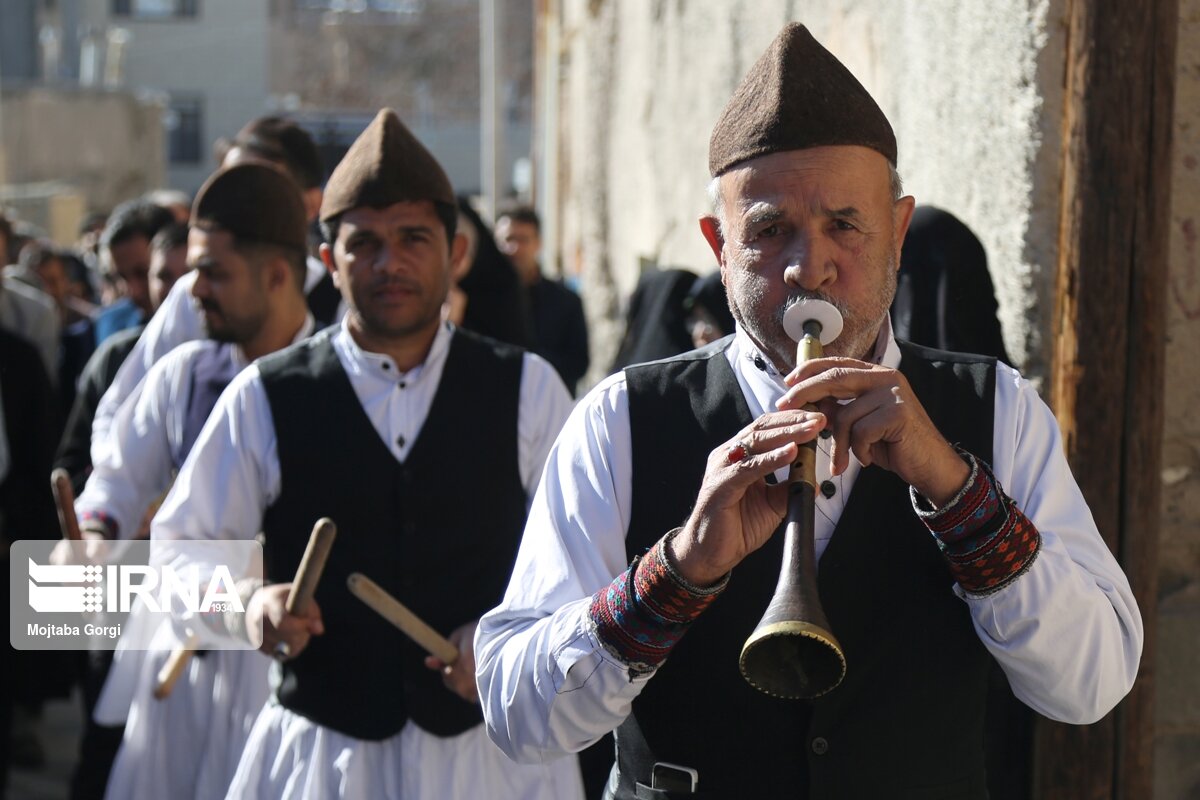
(944, 294)
(495, 302)
(656, 322)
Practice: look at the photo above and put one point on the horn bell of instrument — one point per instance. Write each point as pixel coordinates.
(792, 654)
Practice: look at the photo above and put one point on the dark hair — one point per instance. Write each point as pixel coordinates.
(6, 228)
(255, 251)
(522, 213)
(283, 141)
(170, 237)
(134, 218)
(91, 220)
(446, 213)
(38, 252)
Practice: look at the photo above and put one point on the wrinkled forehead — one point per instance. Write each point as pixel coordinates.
(814, 179)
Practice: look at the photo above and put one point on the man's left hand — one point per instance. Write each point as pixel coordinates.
(881, 421)
(459, 677)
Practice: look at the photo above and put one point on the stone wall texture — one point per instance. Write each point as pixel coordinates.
(1177, 752)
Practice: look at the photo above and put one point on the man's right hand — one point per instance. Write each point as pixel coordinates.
(268, 608)
(736, 510)
(93, 549)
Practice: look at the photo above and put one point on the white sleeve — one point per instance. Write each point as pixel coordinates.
(1067, 633)
(547, 686)
(231, 474)
(132, 466)
(544, 406)
(176, 321)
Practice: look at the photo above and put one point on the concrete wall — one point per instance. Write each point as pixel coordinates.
(643, 83)
(1177, 751)
(108, 145)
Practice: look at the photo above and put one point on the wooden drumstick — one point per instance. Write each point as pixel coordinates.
(64, 499)
(174, 666)
(312, 564)
(399, 615)
(300, 596)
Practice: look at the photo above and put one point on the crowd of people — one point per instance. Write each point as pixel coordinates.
(297, 343)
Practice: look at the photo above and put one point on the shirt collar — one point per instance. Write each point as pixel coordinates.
(239, 356)
(366, 364)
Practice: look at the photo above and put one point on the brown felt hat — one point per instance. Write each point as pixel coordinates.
(797, 95)
(385, 165)
(255, 201)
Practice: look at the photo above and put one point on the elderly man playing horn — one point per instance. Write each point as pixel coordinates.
(422, 442)
(935, 558)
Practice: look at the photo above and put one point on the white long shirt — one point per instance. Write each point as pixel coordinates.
(134, 464)
(230, 478)
(179, 319)
(1067, 633)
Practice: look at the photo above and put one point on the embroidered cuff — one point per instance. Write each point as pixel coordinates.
(100, 522)
(641, 615)
(987, 541)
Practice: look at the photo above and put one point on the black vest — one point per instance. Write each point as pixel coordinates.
(439, 532)
(212, 370)
(907, 720)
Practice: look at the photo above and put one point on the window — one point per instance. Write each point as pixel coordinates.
(184, 122)
(154, 9)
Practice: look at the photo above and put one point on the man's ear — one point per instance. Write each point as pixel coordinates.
(458, 255)
(711, 228)
(278, 272)
(902, 213)
(326, 253)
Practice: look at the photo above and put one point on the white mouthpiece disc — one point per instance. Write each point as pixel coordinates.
(819, 311)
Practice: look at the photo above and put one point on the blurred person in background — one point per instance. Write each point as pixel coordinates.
(168, 260)
(173, 200)
(708, 314)
(26, 512)
(656, 319)
(44, 265)
(670, 312)
(125, 259)
(559, 327)
(486, 296)
(26, 311)
(168, 263)
(87, 241)
(944, 292)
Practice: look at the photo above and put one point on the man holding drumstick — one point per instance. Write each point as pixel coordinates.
(935, 560)
(246, 245)
(422, 442)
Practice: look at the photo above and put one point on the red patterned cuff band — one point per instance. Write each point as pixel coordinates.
(646, 609)
(98, 520)
(987, 541)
